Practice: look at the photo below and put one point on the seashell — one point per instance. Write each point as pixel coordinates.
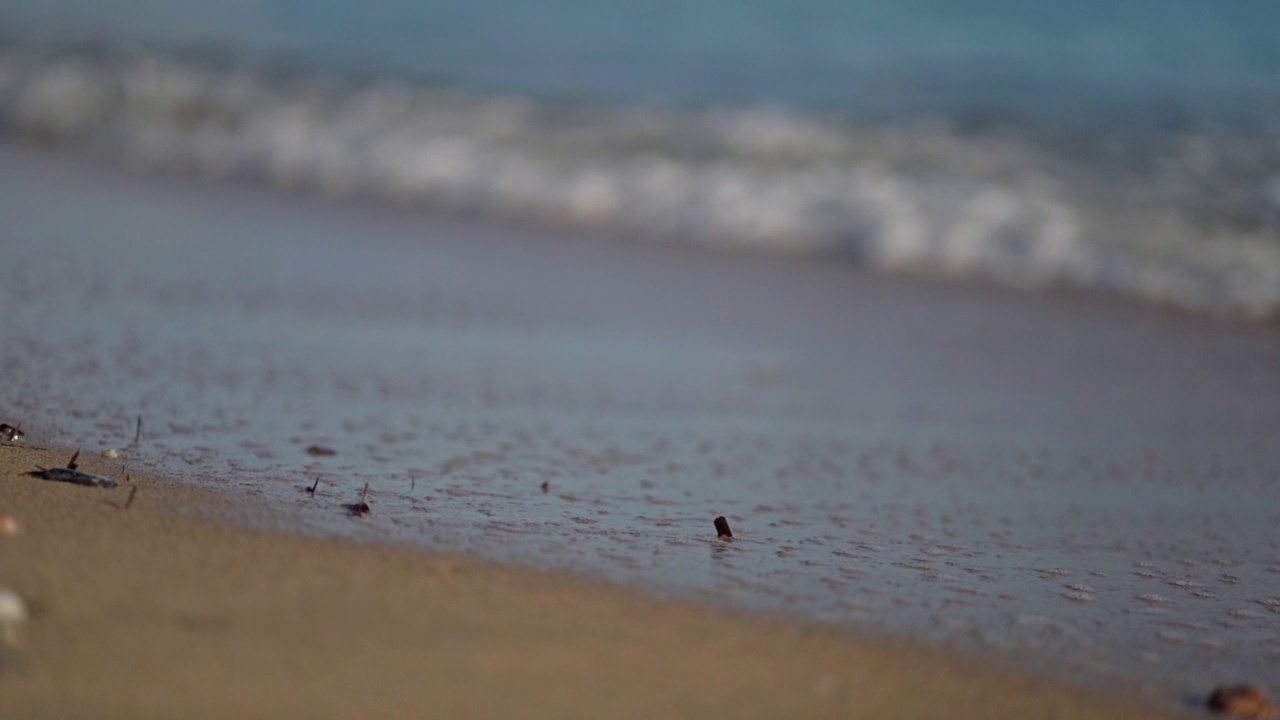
(12, 433)
(110, 454)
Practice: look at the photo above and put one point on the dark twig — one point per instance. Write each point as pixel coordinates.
(137, 431)
(133, 492)
(70, 474)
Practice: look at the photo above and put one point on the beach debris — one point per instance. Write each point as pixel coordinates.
(69, 474)
(110, 454)
(546, 486)
(310, 489)
(321, 451)
(1242, 701)
(133, 492)
(722, 529)
(9, 525)
(359, 509)
(12, 433)
(137, 431)
(13, 613)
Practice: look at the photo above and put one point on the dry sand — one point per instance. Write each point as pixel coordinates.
(159, 611)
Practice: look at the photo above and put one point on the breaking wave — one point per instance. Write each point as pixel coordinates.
(1186, 218)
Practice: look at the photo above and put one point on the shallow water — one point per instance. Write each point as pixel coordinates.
(1090, 485)
(1165, 203)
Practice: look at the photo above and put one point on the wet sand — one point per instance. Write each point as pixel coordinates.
(157, 612)
(1083, 488)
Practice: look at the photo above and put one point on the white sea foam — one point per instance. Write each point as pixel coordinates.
(1191, 221)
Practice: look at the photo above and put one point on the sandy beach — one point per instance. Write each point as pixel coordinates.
(158, 612)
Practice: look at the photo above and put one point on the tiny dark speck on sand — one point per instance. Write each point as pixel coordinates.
(320, 451)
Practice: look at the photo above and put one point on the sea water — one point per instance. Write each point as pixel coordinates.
(1128, 147)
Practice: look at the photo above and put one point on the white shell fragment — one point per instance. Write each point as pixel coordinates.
(12, 433)
(110, 454)
(13, 613)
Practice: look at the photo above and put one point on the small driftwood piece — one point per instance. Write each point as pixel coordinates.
(722, 528)
(70, 474)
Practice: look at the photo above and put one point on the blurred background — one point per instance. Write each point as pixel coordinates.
(1129, 147)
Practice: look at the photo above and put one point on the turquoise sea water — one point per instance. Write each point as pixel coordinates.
(1034, 59)
(1128, 147)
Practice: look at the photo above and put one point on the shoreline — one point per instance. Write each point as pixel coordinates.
(158, 610)
(1018, 476)
(923, 279)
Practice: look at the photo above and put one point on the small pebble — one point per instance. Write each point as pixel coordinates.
(1242, 701)
(9, 525)
(320, 451)
(359, 509)
(110, 454)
